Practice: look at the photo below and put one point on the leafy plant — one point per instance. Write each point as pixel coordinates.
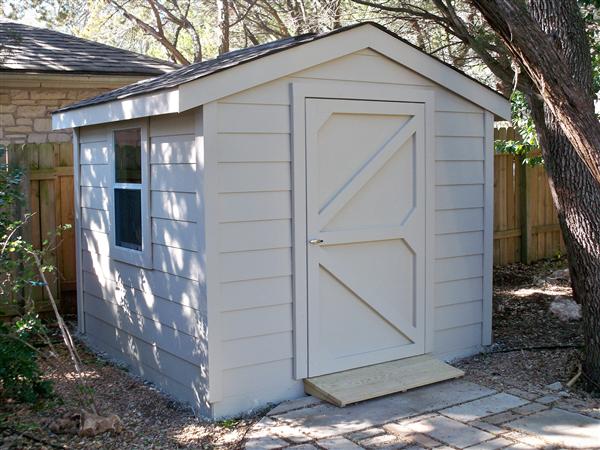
(20, 375)
(527, 147)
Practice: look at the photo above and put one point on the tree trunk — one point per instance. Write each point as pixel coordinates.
(575, 192)
(542, 59)
(223, 25)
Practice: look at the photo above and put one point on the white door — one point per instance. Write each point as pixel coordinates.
(365, 182)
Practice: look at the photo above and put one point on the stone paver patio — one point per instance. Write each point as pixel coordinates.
(452, 415)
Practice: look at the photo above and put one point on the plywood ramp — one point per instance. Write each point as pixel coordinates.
(364, 383)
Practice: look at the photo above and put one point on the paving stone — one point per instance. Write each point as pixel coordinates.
(290, 434)
(384, 441)
(484, 407)
(303, 447)
(264, 443)
(547, 399)
(414, 447)
(326, 420)
(424, 440)
(404, 431)
(501, 418)
(364, 434)
(339, 443)
(494, 444)
(290, 405)
(523, 394)
(451, 432)
(487, 427)
(560, 427)
(530, 408)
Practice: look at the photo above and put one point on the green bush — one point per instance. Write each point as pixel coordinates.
(20, 375)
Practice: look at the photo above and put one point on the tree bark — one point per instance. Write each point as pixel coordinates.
(575, 192)
(223, 25)
(569, 101)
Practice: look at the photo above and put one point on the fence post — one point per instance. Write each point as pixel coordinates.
(525, 206)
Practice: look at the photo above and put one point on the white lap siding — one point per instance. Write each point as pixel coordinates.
(254, 228)
(152, 319)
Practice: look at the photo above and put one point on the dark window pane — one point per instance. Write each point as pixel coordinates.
(128, 156)
(128, 215)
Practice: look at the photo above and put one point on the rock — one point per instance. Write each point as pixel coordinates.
(565, 309)
(555, 386)
(560, 275)
(93, 424)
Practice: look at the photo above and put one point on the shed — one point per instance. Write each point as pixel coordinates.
(298, 208)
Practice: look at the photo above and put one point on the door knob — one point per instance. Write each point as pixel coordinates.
(315, 241)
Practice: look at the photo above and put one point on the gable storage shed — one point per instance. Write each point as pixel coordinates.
(298, 208)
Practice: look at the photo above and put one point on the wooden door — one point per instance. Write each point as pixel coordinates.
(366, 232)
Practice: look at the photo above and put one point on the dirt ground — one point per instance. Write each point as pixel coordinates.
(532, 348)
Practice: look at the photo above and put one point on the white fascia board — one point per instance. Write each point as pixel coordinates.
(155, 103)
(295, 59)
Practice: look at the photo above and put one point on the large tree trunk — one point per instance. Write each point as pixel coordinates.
(575, 191)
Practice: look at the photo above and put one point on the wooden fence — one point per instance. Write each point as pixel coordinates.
(525, 220)
(48, 189)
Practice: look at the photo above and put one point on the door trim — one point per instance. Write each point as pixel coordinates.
(350, 91)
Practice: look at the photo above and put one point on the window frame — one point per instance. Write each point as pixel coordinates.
(143, 257)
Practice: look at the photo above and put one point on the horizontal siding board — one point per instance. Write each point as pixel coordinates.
(238, 207)
(256, 322)
(95, 241)
(96, 133)
(173, 150)
(93, 153)
(459, 197)
(459, 149)
(176, 261)
(458, 220)
(182, 345)
(175, 206)
(252, 118)
(249, 177)
(448, 101)
(453, 316)
(256, 293)
(449, 269)
(253, 147)
(97, 175)
(255, 379)
(459, 124)
(458, 172)
(95, 219)
(460, 244)
(264, 234)
(173, 233)
(172, 124)
(95, 197)
(251, 351)
(174, 177)
(255, 264)
(174, 288)
(456, 339)
(458, 291)
(174, 315)
(166, 371)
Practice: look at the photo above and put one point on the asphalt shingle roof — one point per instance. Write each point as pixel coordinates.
(39, 50)
(223, 62)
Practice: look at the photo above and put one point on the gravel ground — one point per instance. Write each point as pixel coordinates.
(522, 295)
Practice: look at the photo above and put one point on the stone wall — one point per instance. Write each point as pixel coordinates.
(25, 113)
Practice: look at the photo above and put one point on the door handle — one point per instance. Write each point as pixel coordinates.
(315, 241)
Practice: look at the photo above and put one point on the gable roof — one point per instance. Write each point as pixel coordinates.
(30, 49)
(172, 92)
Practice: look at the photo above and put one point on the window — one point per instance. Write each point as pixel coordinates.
(130, 234)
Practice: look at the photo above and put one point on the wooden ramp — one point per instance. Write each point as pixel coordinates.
(364, 383)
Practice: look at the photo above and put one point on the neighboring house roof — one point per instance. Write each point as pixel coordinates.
(38, 50)
(165, 92)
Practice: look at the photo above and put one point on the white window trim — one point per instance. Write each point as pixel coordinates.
(142, 258)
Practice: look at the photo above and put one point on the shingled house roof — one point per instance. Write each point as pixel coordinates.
(38, 50)
(224, 62)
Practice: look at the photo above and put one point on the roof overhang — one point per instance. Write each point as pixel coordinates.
(273, 66)
(24, 79)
